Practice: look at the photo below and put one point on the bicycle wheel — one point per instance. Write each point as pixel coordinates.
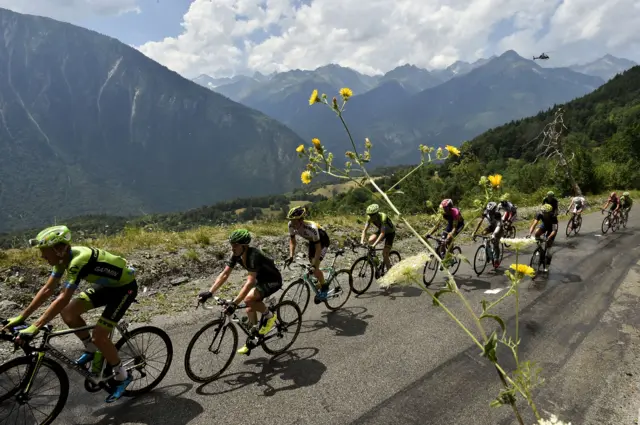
(578, 224)
(142, 364)
(569, 228)
(299, 293)
(509, 233)
(211, 345)
(455, 265)
(536, 260)
(605, 224)
(623, 220)
(288, 322)
(615, 224)
(480, 260)
(339, 289)
(430, 270)
(394, 258)
(10, 386)
(362, 275)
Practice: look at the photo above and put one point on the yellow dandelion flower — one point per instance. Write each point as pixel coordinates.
(523, 269)
(316, 143)
(453, 150)
(495, 180)
(367, 143)
(300, 149)
(305, 177)
(314, 98)
(346, 93)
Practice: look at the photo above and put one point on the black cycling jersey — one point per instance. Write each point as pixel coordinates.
(258, 262)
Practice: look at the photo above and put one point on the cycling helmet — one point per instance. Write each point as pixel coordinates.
(550, 193)
(491, 206)
(296, 213)
(613, 194)
(446, 203)
(546, 208)
(52, 236)
(240, 236)
(626, 194)
(373, 209)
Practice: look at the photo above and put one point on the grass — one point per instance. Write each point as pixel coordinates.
(141, 239)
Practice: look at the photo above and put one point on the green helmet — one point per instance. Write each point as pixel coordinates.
(626, 194)
(240, 236)
(546, 208)
(52, 236)
(373, 209)
(550, 193)
(297, 213)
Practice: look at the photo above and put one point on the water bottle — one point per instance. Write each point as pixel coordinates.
(96, 365)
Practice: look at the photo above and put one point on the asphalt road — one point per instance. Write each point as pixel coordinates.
(396, 359)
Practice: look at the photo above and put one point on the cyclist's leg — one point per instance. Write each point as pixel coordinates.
(255, 303)
(388, 243)
(317, 272)
(496, 236)
(72, 317)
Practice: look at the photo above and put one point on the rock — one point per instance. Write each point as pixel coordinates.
(7, 308)
(179, 280)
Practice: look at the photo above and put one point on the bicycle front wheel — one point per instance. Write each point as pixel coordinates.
(480, 260)
(339, 289)
(455, 265)
(569, 228)
(141, 353)
(208, 345)
(430, 270)
(40, 407)
(299, 293)
(362, 274)
(606, 223)
(536, 262)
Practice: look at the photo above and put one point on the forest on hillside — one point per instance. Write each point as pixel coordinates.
(601, 139)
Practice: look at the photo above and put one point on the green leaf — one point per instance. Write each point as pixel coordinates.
(439, 293)
(489, 350)
(495, 317)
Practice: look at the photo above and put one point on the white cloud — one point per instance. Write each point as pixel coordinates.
(71, 10)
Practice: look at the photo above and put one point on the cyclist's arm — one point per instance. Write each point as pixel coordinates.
(454, 227)
(248, 286)
(56, 307)
(221, 279)
(364, 232)
(380, 237)
(43, 294)
(533, 225)
(292, 245)
(316, 255)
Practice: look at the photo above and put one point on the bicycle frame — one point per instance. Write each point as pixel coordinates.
(38, 353)
(306, 275)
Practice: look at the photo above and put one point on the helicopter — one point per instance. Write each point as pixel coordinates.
(542, 56)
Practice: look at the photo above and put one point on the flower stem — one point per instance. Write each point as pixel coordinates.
(406, 175)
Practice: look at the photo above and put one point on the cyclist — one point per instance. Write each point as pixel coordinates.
(545, 218)
(550, 199)
(318, 244)
(626, 203)
(263, 280)
(510, 211)
(495, 226)
(615, 204)
(114, 288)
(578, 203)
(455, 221)
(386, 231)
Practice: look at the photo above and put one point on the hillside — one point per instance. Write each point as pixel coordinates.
(90, 125)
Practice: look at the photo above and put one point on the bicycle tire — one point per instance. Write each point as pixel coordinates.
(343, 298)
(579, 225)
(298, 324)
(623, 220)
(569, 229)
(455, 251)
(606, 224)
(510, 233)
(187, 356)
(167, 341)
(537, 253)
(365, 261)
(615, 225)
(57, 370)
(431, 264)
(304, 292)
(481, 251)
(395, 261)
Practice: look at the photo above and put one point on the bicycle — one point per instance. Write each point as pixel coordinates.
(369, 263)
(226, 325)
(431, 266)
(624, 217)
(574, 224)
(610, 222)
(484, 254)
(509, 231)
(539, 256)
(98, 374)
(300, 287)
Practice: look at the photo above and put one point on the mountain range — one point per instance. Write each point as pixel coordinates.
(90, 125)
(409, 105)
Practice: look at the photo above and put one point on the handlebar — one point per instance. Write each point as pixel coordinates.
(218, 301)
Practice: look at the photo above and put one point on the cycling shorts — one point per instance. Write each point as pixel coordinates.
(115, 300)
(388, 238)
(268, 288)
(458, 227)
(324, 246)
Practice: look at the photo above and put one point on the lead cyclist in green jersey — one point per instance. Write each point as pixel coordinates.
(626, 202)
(386, 231)
(114, 288)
